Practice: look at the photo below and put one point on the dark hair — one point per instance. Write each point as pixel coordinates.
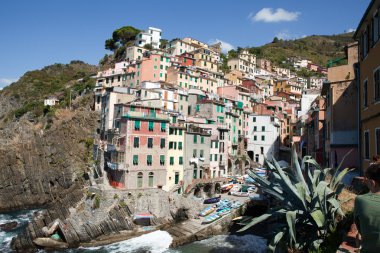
(373, 172)
(376, 158)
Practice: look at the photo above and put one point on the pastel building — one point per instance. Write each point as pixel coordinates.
(138, 159)
(151, 36)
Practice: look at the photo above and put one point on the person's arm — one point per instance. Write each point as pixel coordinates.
(357, 213)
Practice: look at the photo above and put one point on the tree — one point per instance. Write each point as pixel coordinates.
(163, 43)
(232, 54)
(121, 37)
(275, 40)
(148, 46)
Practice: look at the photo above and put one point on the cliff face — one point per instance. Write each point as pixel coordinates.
(36, 164)
(44, 151)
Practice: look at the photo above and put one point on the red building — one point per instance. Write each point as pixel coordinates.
(187, 59)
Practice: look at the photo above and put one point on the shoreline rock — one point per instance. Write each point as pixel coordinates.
(9, 226)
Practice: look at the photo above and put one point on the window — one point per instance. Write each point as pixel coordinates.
(150, 179)
(136, 143)
(180, 160)
(175, 145)
(365, 93)
(201, 153)
(376, 28)
(137, 125)
(149, 160)
(263, 137)
(180, 131)
(254, 119)
(216, 157)
(151, 126)
(139, 180)
(255, 128)
(377, 132)
(202, 140)
(377, 84)
(163, 126)
(162, 143)
(210, 158)
(263, 128)
(216, 144)
(262, 150)
(162, 159)
(195, 138)
(135, 160)
(150, 142)
(255, 138)
(366, 144)
(180, 145)
(170, 145)
(194, 153)
(172, 160)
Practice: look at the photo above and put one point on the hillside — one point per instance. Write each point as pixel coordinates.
(26, 96)
(45, 151)
(317, 48)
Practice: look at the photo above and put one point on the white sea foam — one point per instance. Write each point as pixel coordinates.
(155, 242)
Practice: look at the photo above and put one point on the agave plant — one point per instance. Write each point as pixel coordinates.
(308, 203)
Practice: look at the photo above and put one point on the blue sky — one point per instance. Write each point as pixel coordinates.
(39, 33)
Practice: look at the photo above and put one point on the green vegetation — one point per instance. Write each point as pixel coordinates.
(59, 80)
(124, 36)
(317, 48)
(307, 208)
(96, 203)
(115, 196)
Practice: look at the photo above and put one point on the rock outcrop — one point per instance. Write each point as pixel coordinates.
(38, 165)
(95, 214)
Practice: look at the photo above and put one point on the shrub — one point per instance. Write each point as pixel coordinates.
(308, 205)
(96, 203)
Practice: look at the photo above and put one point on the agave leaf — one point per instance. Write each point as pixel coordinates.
(276, 239)
(291, 220)
(288, 186)
(336, 180)
(341, 162)
(297, 168)
(318, 217)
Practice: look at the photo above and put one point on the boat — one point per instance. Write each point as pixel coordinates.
(211, 218)
(212, 200)
(226, 187)
(235, 188)
(224, 211)
(236, 205)
(240, 194)
(207, 211)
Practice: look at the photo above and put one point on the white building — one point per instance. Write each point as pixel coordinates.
(51, 101)
(178, 47)
(151, 36)
(263, 137)
(308, 97)
(315, 82)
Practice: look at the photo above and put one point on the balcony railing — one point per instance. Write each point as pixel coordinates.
(145, 115)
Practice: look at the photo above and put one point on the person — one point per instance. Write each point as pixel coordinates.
(367, 211)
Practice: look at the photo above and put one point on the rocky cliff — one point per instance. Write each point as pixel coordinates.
(44, 151)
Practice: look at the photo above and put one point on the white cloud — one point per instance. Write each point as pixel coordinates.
(268, 15)
(350, 30)
(6, 81)
(225, 45)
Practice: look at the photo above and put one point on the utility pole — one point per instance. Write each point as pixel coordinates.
(70, 100)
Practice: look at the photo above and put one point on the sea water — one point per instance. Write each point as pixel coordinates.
(154, 242)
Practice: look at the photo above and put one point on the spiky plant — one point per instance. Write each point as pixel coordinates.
(308, 203)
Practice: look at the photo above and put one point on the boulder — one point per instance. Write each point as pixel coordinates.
(6, 227)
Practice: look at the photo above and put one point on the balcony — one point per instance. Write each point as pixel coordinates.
(222, 163)
(116, 166)
(146, 116)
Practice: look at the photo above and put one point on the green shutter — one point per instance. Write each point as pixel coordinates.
(216, 144)
(137, 124)
(172, 160)
(195, 138)
(180, 131)
(216, 157)
(210, 158)
(151, 125)
(197, 108)
(163, 126)
(162, 144)
(149, 159)
(202, 139)
(180, 145)
(180, 160)
(135, 159)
